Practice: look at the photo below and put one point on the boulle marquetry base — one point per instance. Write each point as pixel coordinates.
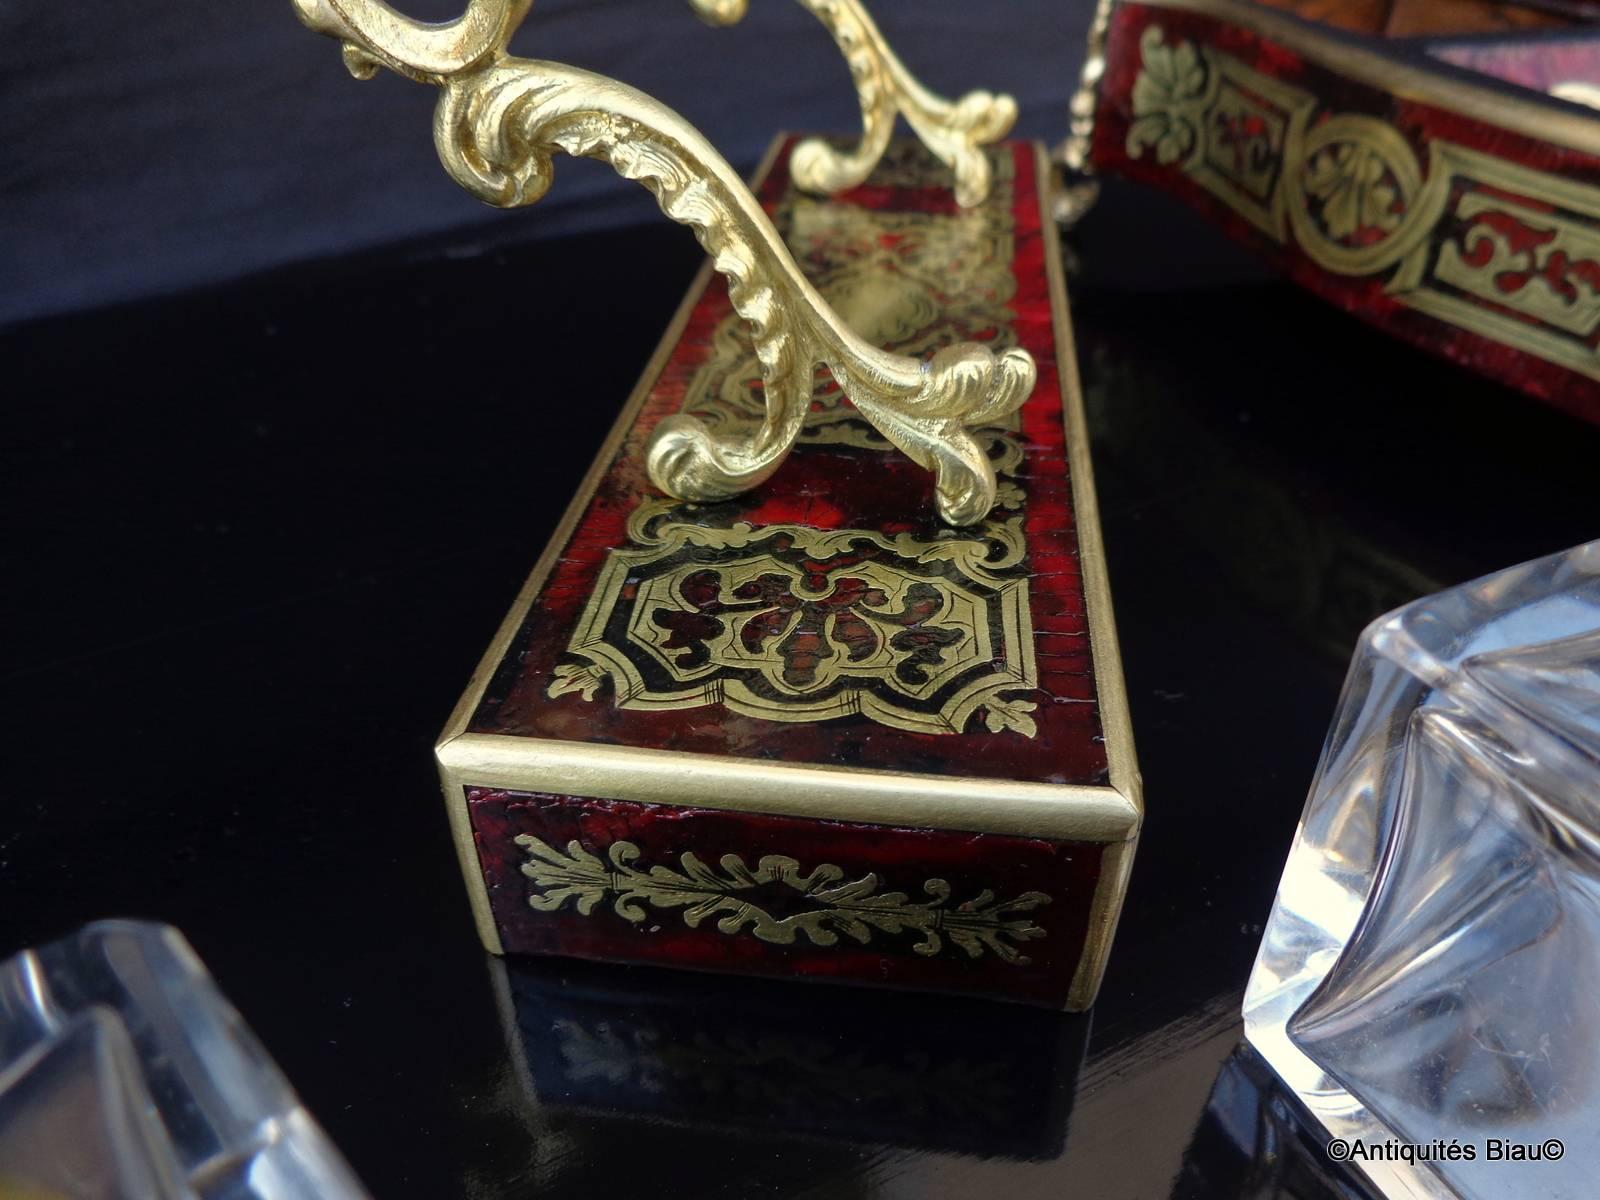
(814, 731)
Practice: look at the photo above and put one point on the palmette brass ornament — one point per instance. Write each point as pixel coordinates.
(498, 124)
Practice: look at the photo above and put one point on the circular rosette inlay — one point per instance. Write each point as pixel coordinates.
(1351, 201)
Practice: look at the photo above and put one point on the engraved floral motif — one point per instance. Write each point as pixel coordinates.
(1165, 99)
(1356, 188)
(848, 615)
(829, 907)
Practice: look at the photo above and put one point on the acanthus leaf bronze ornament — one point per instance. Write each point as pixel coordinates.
(955, 130)
(499, 122)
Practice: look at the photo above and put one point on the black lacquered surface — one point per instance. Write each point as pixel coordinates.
(255, 540)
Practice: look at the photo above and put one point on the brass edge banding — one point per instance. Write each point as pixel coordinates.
(1116, 865)
(1115, 719)
(454, 787)
(813, 791)
(455, 806)
(1541, 122)
(1121, 761)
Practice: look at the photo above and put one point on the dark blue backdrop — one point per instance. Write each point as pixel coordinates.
(150, 147)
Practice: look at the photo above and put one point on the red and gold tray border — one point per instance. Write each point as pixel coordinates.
(1458, 215)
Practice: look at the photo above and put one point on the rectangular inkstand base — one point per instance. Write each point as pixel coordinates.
(813, 732)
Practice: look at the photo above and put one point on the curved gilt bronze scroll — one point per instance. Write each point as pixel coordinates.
(499, 122)
(955, 130)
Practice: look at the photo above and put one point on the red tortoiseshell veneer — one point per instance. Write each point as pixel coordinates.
(813, 732)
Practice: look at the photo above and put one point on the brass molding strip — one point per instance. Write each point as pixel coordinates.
(1111, 688)
(1115, 719)
(461, 715)
(818, 791)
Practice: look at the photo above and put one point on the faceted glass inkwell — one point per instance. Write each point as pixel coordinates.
(1430, 975)
(124, 1075)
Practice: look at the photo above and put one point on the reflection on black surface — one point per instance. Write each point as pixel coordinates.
(834, 1065)
(1254, 1143)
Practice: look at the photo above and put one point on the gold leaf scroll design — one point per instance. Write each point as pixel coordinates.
(1355, 198)
(955, 131)
(856, 909)
(499, 123)
(656, 532)
(940, 278)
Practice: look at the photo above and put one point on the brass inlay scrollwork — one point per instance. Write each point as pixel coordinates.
(500, 121)
(1356, 198)
(831, 906)
(1544, 265)
(810, 624)
(955, 130)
